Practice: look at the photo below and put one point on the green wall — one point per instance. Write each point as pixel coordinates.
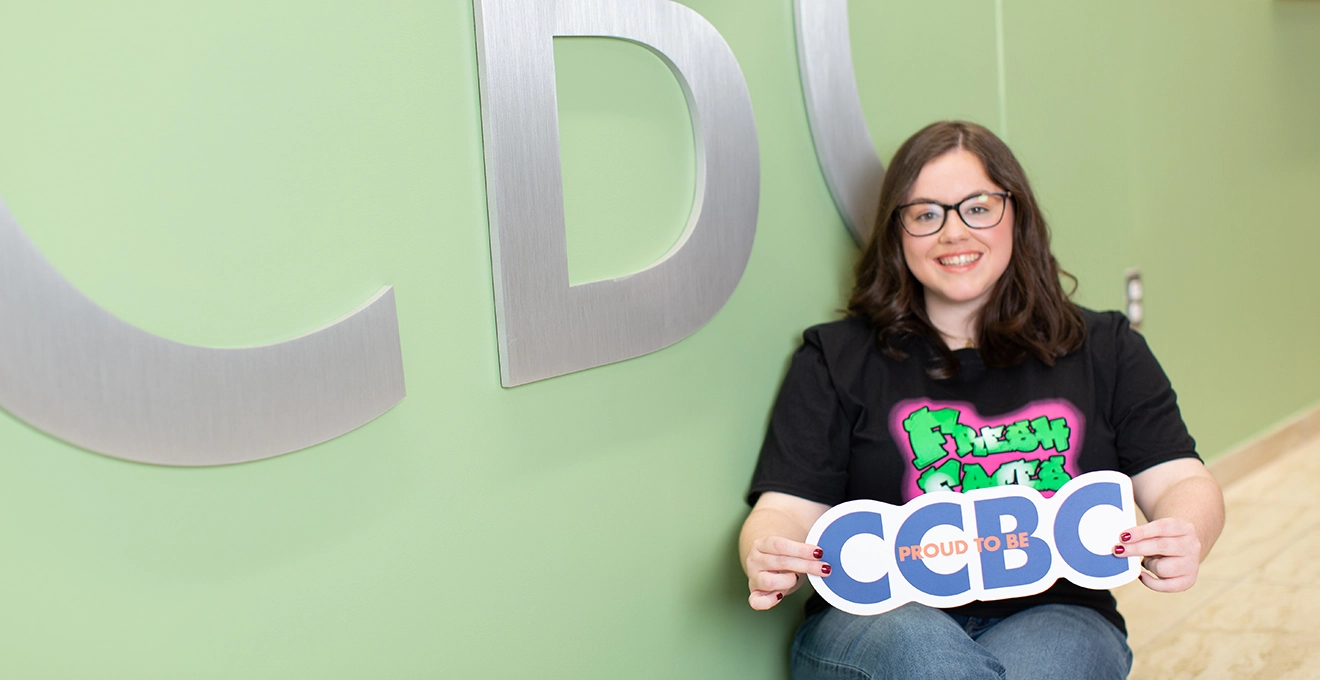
(236, 173)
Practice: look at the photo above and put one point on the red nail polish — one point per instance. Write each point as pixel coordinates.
(817, 553)
(825, 569)
(1125, 537)
(779, 596)
(1118, 550)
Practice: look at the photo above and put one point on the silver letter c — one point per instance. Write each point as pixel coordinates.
(844, 149)
(73, 370)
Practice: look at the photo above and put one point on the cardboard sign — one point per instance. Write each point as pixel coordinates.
(944, 549)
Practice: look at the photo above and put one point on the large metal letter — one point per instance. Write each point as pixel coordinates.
(847, 157)
(73, 370)
(545, 326)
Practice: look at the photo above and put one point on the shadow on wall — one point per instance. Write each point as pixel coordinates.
(721, 595)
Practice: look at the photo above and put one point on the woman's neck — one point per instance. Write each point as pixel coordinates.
(954, 321)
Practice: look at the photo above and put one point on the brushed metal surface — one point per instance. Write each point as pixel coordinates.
(847, 156)
(76, 372)
(545, 326)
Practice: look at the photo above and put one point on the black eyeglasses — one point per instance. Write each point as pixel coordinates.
(982, 211)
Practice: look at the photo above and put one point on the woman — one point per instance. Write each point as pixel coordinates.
(962, 364)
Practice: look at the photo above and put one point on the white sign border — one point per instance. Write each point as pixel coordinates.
(902, 592)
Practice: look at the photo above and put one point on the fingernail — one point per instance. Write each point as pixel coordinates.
(1125, 537)
(779, 596)
(825, 569)
(817, 553)
(1118, 550)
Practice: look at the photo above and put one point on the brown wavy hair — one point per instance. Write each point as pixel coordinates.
(1027, 313)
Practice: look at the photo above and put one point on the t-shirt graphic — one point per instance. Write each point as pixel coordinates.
(952, 447)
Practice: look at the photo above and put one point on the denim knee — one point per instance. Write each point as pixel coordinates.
(1059, 640)
(913, 641)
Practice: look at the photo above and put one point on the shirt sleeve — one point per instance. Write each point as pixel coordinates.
(806, 448)
(1148, 426)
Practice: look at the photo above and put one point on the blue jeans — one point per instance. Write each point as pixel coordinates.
(918, 642)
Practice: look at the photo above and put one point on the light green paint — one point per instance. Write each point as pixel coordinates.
(1001, 69)
(235, 173)
(1180, 138)
(921, 62)
(627, 136)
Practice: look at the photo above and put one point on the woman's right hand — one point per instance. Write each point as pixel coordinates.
(773, 555)
(775, 567)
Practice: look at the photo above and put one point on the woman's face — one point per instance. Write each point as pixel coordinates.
(958, 265)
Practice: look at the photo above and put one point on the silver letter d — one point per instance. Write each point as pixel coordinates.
(545, 326)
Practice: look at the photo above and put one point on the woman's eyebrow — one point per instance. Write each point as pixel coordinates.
(922, 199)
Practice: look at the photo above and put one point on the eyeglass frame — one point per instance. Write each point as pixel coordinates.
(957, 208)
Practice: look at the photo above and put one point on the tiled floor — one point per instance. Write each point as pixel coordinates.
(1255, 610)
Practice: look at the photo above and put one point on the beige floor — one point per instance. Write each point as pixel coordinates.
(1255, 610)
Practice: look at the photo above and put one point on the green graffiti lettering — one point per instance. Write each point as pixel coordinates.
(926, 430)
(994, 439)
(974, 477)
(1052, 476)
(931, 431)
(963, 437)
(989, 440)
(1016, 472)
(942, 478)
(1021, 438)
(1053, 434)
(948, 418)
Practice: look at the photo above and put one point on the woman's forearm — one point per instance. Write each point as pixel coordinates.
(1198, 500)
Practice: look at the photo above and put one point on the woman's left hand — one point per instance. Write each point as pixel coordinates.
(1187, 513)
(1170, 552)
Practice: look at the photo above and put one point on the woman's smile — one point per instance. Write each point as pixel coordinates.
(959, 261)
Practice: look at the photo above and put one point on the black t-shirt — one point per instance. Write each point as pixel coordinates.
(852, 423)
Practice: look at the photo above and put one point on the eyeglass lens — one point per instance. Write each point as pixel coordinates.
(979, 212)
